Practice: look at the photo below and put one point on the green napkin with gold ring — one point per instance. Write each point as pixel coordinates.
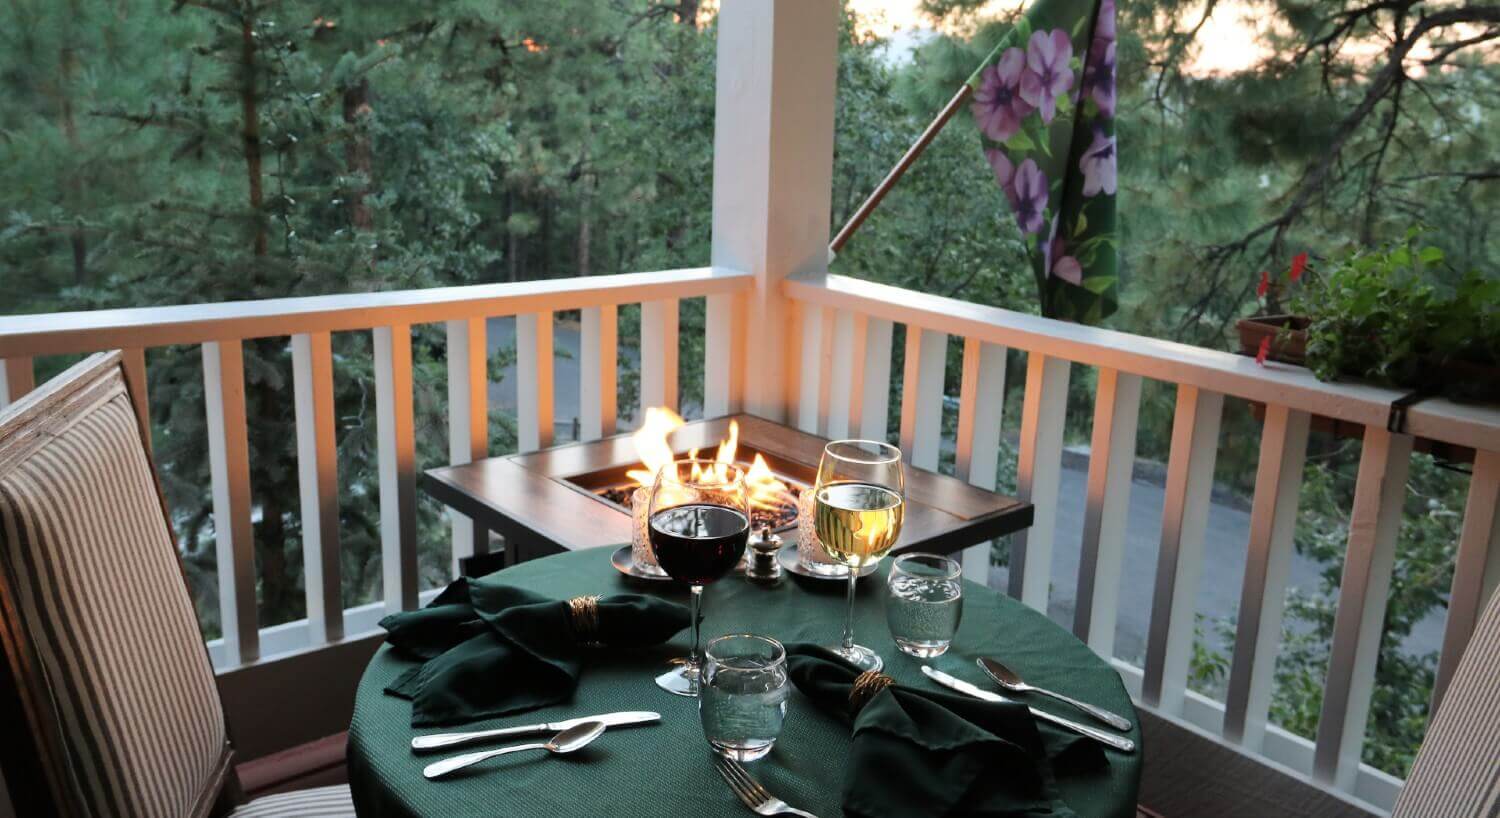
(919, 752)
(490, 649)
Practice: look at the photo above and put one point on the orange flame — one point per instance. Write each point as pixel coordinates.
(766, 491)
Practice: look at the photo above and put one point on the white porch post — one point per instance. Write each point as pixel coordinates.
(773, 169)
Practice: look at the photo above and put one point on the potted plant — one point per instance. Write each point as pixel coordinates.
(1275, 334)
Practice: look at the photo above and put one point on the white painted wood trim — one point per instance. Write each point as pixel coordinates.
(846, 370)
(133, 361)
(659, 326)
(1188, 494)
(1038, 472)
(1470, 425)
(534, 394)
(874, 395)
(16, 379)
(1358, 625)
(1117, 406)
(776, 69)
(725, 343)
(825, 370)
(1476, 573)
(229, 466)
(93, 331)
(468, 422)
(981, 405)
(922, 396)
(598, 368)
(398, 466)
(809, 368)
(1273, 522)
(318, 484)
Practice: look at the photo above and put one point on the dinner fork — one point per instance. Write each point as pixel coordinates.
(751, 792)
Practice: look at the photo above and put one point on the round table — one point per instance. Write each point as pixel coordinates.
(665, 768)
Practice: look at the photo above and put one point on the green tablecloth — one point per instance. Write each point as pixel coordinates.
(665, 769)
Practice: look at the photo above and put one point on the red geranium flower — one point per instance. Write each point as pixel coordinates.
(1299, 263)
(1265, 349)
(1265, 284)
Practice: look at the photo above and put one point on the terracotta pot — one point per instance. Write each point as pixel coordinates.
(1289, 347)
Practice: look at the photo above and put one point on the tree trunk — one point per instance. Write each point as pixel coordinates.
(512, 244)
(585, 217)
(251, 126)
(357, 153)
(68, 65)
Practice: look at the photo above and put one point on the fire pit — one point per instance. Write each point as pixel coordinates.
(577, 495)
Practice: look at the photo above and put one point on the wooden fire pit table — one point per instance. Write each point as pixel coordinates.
(548, 502)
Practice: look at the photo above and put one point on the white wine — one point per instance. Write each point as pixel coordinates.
(857, 523)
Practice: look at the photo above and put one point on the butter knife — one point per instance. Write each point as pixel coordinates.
(1120, 743)
(441, 740)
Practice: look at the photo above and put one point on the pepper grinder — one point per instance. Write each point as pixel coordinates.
(763, 566)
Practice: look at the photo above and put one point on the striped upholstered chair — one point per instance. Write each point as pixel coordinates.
(1457, 771)
(105, 671)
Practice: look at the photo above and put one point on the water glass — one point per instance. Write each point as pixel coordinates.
(742, 696)
(925, 603)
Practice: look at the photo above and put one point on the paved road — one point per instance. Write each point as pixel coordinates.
(1224, 560)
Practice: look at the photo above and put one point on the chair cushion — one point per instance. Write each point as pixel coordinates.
(322, 802)
(93, 571)
(1457, 771)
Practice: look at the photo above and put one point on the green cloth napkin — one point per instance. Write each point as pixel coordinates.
(489, 649)
(930, 753)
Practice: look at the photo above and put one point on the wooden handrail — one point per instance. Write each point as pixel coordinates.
(24, 336)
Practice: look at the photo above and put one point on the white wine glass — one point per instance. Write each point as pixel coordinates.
(859, 506)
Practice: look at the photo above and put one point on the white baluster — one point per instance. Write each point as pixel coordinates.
(598, 365)
(922, 396)
(1038, 472)
(534, 380)
(468, 422)
(1273, 521)
(724, 347)
(872, 393)
(1117, 405)
(1477, 570)
(1374, 521)
(318, 484)
(398, 466)
(1189, 492)
(133, 360)
(846, 372)
(981, 404)
(659, 354)
(229, 466)
(810, 366)
(16, 379)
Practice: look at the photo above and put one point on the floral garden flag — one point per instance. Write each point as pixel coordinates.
(1044, 101)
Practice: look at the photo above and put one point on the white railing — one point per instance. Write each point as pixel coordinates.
(858, 317)
(308, 323)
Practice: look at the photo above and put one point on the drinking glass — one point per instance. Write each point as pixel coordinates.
(742, 701)
(700, 522)
(860, 502)
(924, 603)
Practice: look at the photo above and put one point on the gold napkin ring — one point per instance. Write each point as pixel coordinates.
(866, 685)
(583, 613)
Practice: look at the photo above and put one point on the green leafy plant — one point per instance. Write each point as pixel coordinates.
(1399, 315)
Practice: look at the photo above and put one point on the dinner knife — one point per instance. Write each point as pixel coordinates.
(440, 740)
(1109, 739)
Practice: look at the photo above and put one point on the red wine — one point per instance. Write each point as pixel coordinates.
(699, 543)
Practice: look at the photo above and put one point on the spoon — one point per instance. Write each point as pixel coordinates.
(567, 741)
(1010, 680)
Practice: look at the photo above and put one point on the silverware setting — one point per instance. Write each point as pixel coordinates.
(567, 741)
(751, 793)
(1012, 681)
(1120, 743)
(438, 741)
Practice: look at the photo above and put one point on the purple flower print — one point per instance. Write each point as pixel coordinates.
(1104, 24)
(1098, 165)
(1099, 75)
(1030, 196)
(1005, 173)
(997, 106)
(1057, 261)
(1047, 75)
